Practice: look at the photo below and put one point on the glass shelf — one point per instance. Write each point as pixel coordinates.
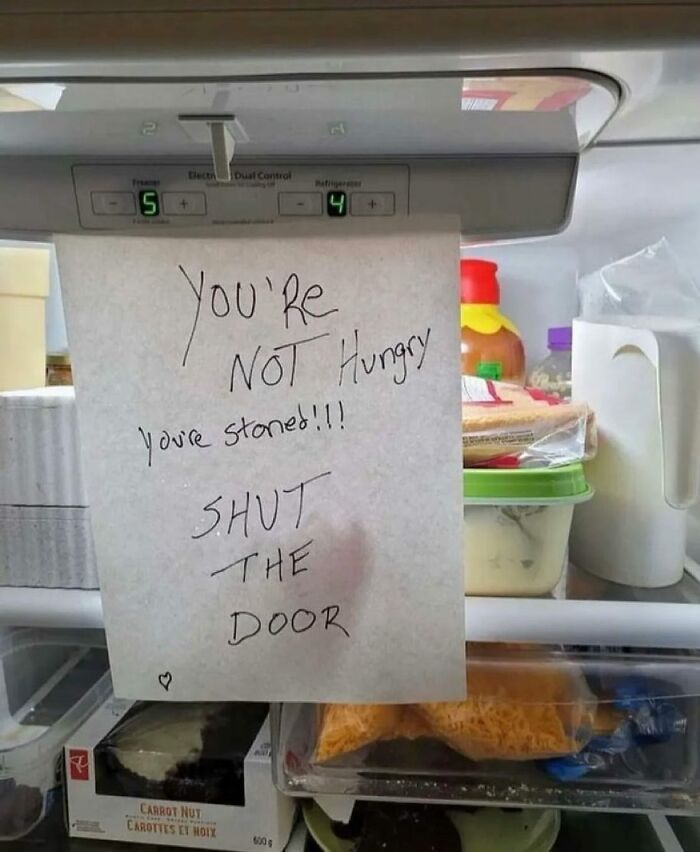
(633, 719)
(584, 610)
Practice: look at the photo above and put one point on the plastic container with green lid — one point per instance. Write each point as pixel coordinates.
(516, 528)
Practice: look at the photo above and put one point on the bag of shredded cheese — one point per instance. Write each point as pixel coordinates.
(524, 707)
(345, 728)
(522, 704)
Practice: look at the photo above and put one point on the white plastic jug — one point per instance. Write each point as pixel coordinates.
(641, 376)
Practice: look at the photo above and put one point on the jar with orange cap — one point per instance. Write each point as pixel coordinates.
(491, 344)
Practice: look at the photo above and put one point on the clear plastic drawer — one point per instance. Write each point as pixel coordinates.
(542, 726)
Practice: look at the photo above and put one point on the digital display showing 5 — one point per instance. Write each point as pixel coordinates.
(149, 203)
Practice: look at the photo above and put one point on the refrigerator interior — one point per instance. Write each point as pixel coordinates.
(638, 183)
(539, 277)
(611, 217)
(627, 197)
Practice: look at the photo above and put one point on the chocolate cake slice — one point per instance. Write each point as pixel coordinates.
(187, 752)
(385, 827)
(407, 828)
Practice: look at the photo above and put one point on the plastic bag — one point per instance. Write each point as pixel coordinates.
(345, 728)
(522, 709)
(634, 719)
(507, 425)
(651, 282)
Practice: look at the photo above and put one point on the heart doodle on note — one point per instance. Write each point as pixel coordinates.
(165, 680)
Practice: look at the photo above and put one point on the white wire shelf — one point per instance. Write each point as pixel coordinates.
(586, 610)
(571, 622)
(28, 607)
(600, 613)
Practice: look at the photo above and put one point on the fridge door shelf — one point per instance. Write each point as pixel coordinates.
(632, 723)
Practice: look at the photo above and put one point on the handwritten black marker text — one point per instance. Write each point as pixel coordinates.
(175, 440)
(252, 511)
(246, 624)
(394, 357)
(269, 369)
(239, 301)
(276, 565)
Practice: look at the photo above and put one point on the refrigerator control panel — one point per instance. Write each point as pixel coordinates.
(138, 197)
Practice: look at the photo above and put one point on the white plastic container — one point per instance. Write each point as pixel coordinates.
(516, 528)
(24, 288)
(40, 449)
(45, 533)
(47, 547)
(50, 682)
(641, 376)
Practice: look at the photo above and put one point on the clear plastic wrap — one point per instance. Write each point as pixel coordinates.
(344, 728)
(651, 282)
(50, 682)
(179, 751)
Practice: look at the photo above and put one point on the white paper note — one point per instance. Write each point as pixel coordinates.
(271, 436)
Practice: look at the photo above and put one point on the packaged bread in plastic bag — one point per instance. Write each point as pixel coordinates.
(507, 425)
(521, 705)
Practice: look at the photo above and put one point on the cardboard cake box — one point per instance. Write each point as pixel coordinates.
(177, 774)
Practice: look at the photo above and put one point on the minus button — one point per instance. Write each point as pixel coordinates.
(300, 203)
(113, 203)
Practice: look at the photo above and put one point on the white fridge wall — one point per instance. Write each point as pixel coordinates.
(56, 341)
(627, 197)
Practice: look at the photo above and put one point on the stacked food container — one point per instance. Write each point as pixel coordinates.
(50, 683)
